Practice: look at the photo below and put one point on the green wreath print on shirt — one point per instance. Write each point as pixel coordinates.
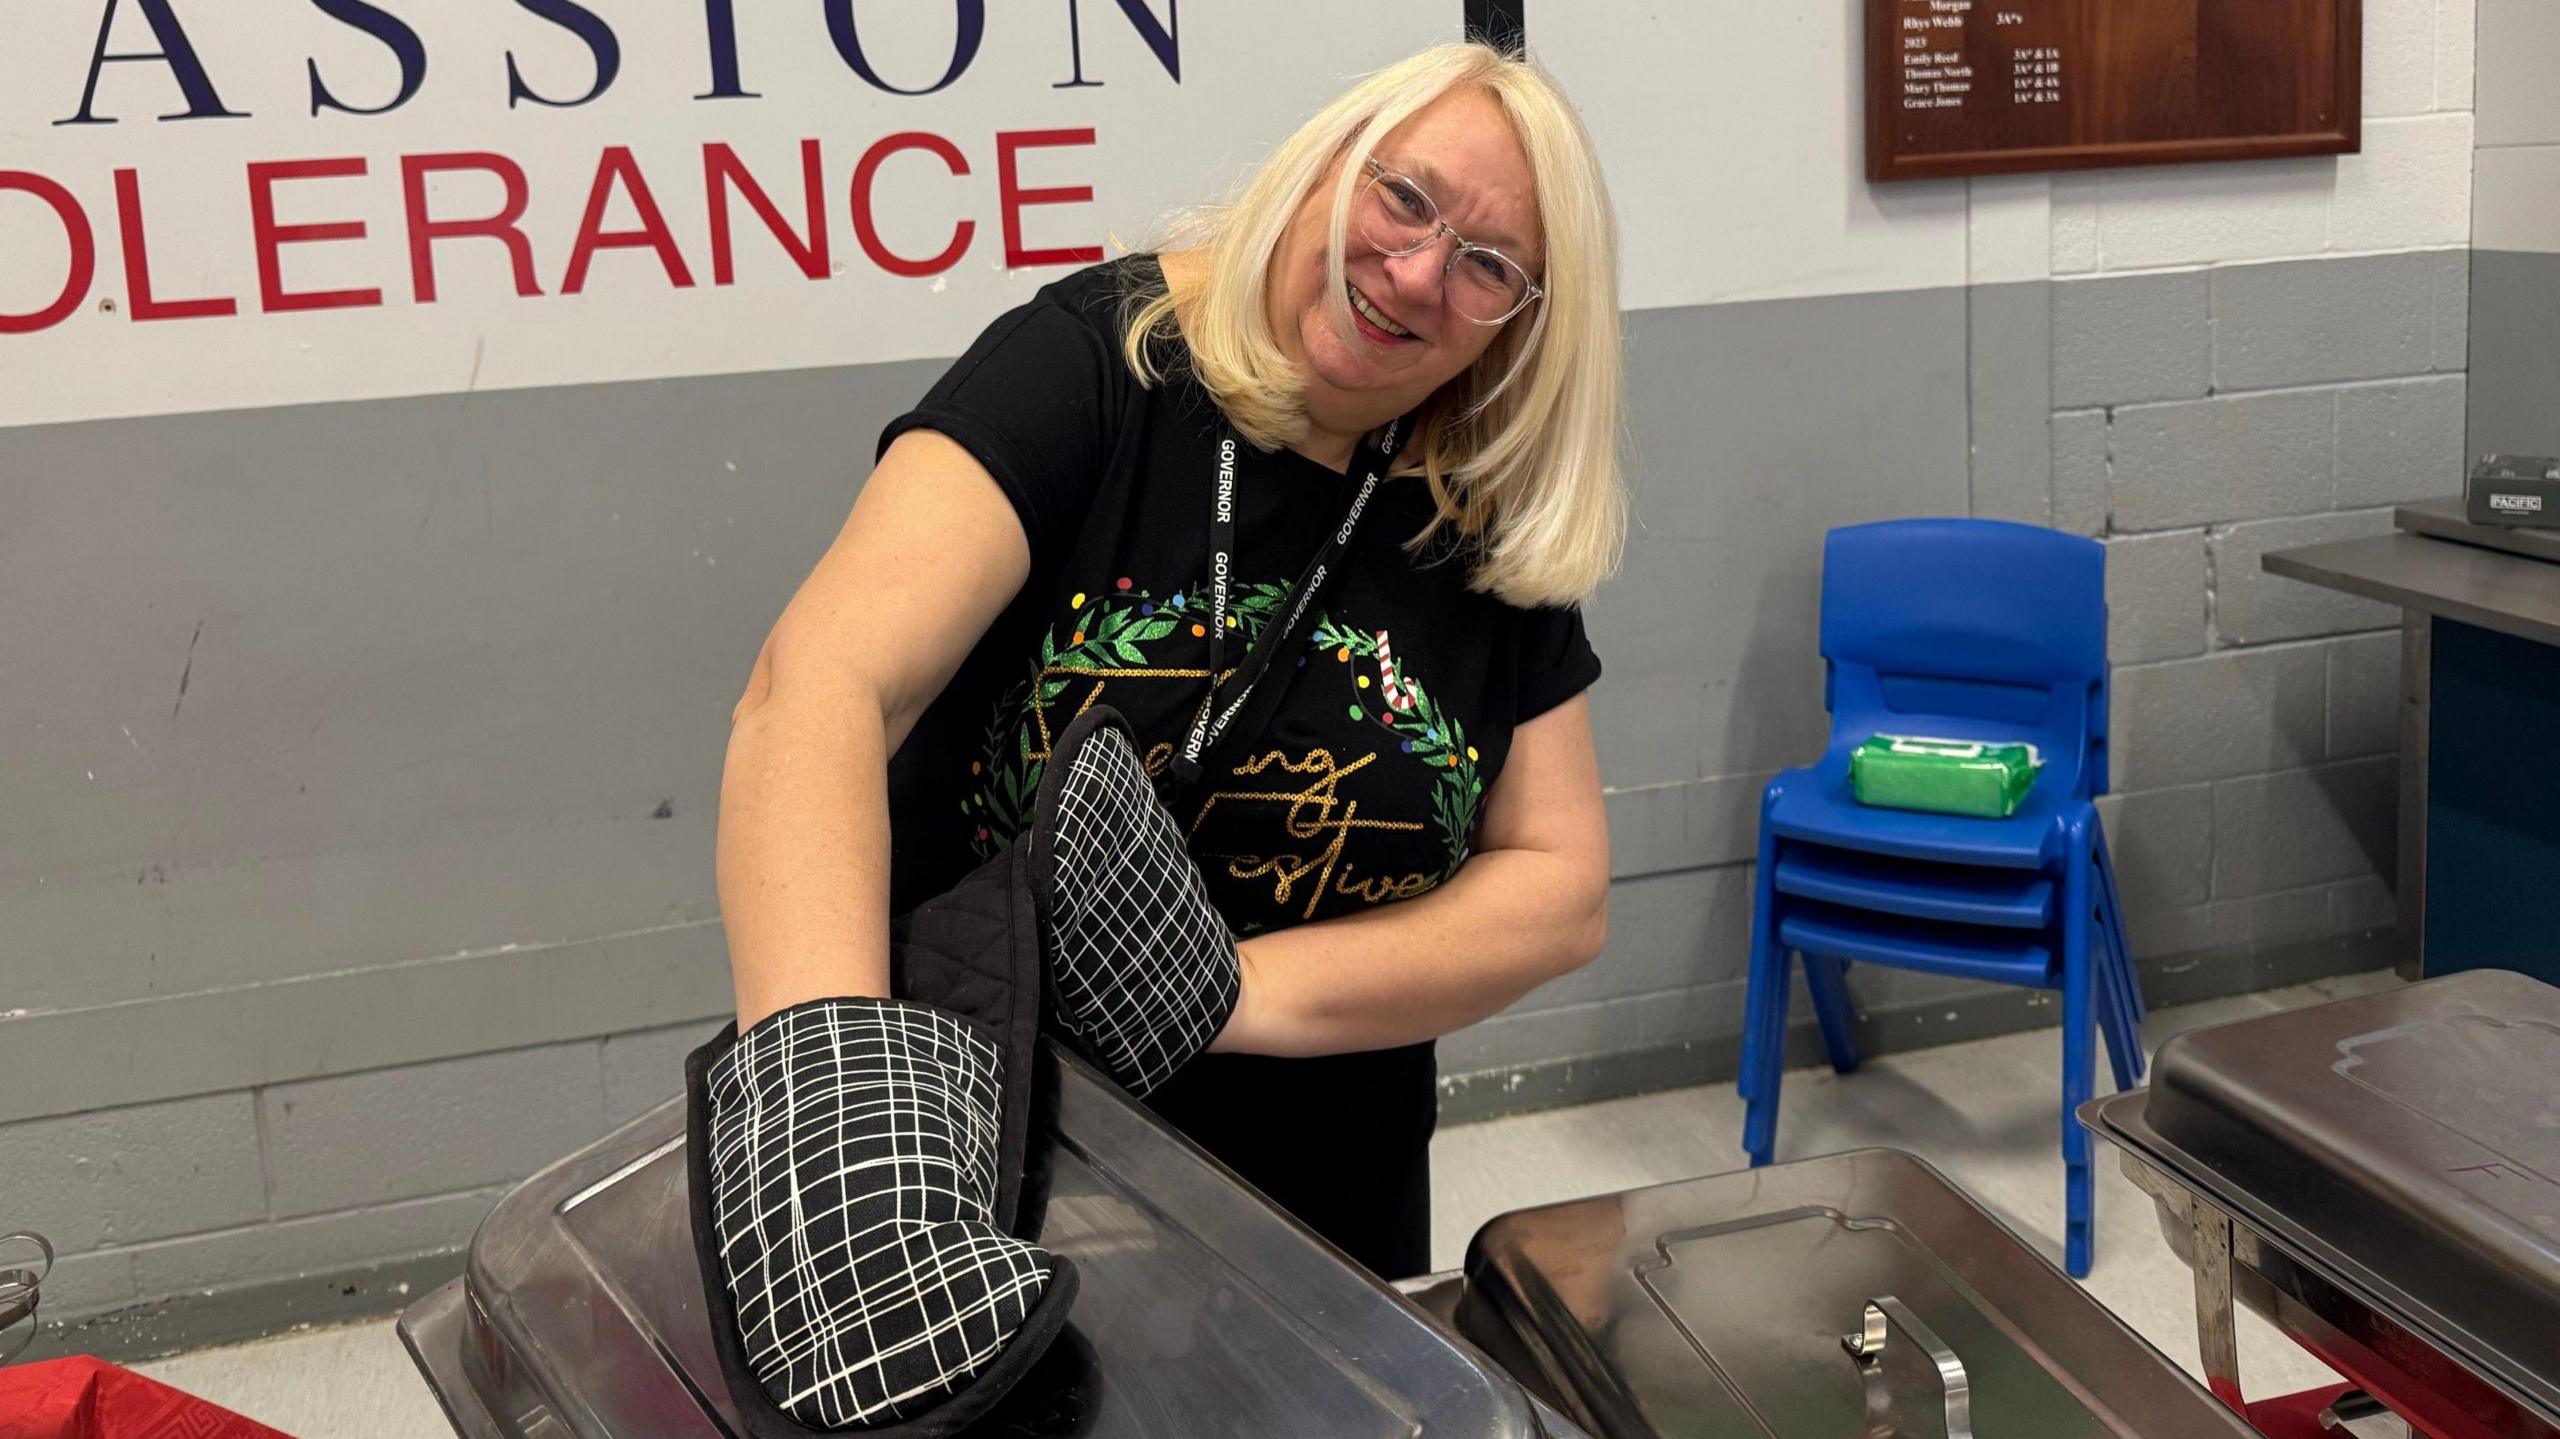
(1118, 634)
(1125, 634)
(1399, 704)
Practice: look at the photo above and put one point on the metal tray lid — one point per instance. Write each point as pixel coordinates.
(2406, 1144)
(1719, 1307)
(1202, 1309)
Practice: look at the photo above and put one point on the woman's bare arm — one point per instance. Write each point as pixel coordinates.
(930, 555)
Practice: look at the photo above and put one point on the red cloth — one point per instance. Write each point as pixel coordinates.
(2296, 1416)
(84, 1398)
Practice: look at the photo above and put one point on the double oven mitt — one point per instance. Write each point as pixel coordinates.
(1143, 972)
(856, 1171)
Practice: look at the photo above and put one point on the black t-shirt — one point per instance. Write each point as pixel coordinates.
(1364, 788)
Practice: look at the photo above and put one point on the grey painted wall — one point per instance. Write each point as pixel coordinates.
(372, 790)
(363, 865)
(2193, 421)
(397, 725)
(2515, 352)
(2203, 419)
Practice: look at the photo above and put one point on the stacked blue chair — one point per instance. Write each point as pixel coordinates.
(1958, 629)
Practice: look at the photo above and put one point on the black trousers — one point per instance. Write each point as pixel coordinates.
(1342, 1142)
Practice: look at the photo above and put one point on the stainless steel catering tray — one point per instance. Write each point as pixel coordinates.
(1854, 1295)
(1202, 1309)
(2392, 1166)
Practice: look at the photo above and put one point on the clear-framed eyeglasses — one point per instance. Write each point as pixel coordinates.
(1397, 217)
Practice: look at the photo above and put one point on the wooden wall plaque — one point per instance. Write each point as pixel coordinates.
(1986, 87)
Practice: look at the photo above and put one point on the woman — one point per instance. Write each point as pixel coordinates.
(1413, 838)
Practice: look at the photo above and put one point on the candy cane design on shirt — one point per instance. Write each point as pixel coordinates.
(1399, 698)
(1422, 729)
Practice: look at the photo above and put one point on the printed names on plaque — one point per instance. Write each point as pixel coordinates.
(1935, 75)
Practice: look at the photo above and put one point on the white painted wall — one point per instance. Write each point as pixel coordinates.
(2517, 185)
(1735, 180)
(2410, 189)
(1735, 142)
(1731, 135)
(1245, 83)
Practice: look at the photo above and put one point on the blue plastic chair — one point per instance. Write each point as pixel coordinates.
(1964, 629)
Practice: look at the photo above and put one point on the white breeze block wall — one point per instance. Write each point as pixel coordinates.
(2409, 190)
(2246, 357)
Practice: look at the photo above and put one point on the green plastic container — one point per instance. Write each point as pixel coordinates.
(1943, 776)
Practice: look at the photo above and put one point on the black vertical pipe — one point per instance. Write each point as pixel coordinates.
(1498, 23)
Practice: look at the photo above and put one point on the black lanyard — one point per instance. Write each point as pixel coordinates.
(1222, 705)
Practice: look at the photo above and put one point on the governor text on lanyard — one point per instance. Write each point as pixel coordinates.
(1213, 720)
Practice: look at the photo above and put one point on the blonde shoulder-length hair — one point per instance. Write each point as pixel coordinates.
(1521, 451)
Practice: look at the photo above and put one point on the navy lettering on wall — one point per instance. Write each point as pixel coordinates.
(394, 33)
(584, 23)
(176, 51)
(479, 200)
(971, 27)
(1164, 38)
(720, 18)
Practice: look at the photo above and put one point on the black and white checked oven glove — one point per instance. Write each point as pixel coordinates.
(1142, 970)
(853, 1150)
(857, 1168)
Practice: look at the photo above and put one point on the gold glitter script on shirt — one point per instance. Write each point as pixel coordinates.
(1312, 811)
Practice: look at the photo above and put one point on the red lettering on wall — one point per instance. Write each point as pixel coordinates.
(442, 201)
(271, 237)
(721, 169)
(867, 230)
(1014, 197)
(137, 264)
(505, 227)
(616, 167)
(84, 253)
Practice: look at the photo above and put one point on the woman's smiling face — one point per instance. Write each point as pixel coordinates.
(1462, 151)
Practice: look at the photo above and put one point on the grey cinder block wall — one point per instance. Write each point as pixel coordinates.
(355, 850)
(2194, 365)
(2192, 419)
(2204, 418)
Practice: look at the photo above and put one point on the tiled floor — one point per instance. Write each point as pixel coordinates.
(1985, 1113)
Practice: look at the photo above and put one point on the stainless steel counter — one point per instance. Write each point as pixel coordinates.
(2375, 1176)
(1202, 1309)
(1860, 1294)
